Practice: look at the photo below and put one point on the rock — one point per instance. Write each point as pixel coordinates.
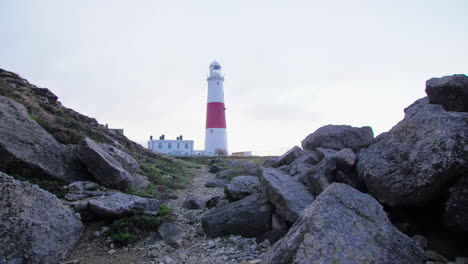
(102, 166)
(420, 241)
(339, 137)
(289, 197)
(27, 150)
(289, 156)
(118, 205)
(456, 207)
(412, 163)
(307, 158)
(111, 252)
(272, 236)
(249, 217)
(76, 187)
(224, 175)
(461, 260)
(216, 201)
(317, 181)
(171, 234)
(250, 168)
(277, 223)
(216, 183)
(284, 169)
(322, 234)
(270, 162)
(192, 203)
(126, 161)
(215, 169)
(34, 225)
(242, 186)
(434, 255)
(345, 159)
(449, 91)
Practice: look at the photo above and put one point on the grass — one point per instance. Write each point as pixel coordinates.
(52, 186)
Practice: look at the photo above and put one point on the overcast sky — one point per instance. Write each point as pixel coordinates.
(290, 66)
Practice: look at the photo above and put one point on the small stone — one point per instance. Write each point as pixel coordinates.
(111, 252)
(167, 260)
(420, 241)
(112, 245)
(152, 254)
(434, 255)
(265, 244)
(210, 244)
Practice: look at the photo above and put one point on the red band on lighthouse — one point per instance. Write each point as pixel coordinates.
(215, 115)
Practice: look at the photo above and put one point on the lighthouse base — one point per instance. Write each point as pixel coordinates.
(216, 141)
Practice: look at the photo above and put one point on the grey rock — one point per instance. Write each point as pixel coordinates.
(126, 161)
(192, 203)
(102, 166)
(242, 186)
(449, 91)
(270, 162)
(250, 168)
(289, 197)
(461, 260)
(278, 223)
(34, 225)
(284, 169)
(307, 158)
(216, 183)
(249, 217)
(118, 205)
(339, 137)
(289, 156)
(413, 162)
(216, 201)
(456, 207)
(76, 187)
(171, 234)
(420, 241)
(224, 175)
(345, 159)
(215, 169)
(323, 233)
(434, 255)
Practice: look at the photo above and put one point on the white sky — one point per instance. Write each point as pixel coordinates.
(290, 66)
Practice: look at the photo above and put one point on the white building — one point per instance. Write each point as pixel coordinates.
(177, 147)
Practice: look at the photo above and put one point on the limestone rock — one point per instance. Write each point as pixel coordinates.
(126, 161)
(413, 162)
(339, 137)
(449, 91)
(242, 186)
(289, 197)
(102, 166)
(118, 205)
(289, 156)
(344, 226)
(249, 217)
(34, 225)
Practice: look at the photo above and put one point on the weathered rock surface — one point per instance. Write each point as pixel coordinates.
(289, 156)
(289, 197)
(249, 217)
(456, 207)
(339, 137)
(242, 186)
(413, 162)
(34, 225)
(126, 161)
(192, 203)
(344, 226)
(118, 205)
(250, 168)
(26, 149)
(215, 169)
(171, 234)
(103, 166)
(308, 158)
(216, 183)
(216, 201)
(449, 91)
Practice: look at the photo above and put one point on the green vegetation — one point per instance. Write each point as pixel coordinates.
(52, 186)
(131, 229)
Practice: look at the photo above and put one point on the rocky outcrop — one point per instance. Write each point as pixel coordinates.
(118, 205)
(289, 197)
(339, 137)
(456, 207)
(249, 217)
(126, 161)
(449, 91)
(289, 156)
(344, 226)
(413, 162)
(242, 186)
(103, 166)
(34, 225)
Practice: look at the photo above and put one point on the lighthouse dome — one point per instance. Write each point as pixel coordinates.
(215, 65)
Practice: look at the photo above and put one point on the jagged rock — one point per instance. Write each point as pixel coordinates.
(242, 186)
(192, 203)
(289, 197)
(171, 234)
(250, 168)
(27, 150)
(215, 169)
(456, 207)
(278, 223)
(449, 91)
(118, 205)
(323, 233)
(216, 183)
(284, 169)
(289, 156)
(34, 225)
(216, 201)
(339, 137)
(307, 158)
(413, 162)
(224, 175)
(126, 161)
(345, 159)
(420, 241)
(249, 217)
(103, 166)
(270, 162)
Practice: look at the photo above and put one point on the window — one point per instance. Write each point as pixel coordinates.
(160, 145)
(218, 82)
(211, 130)
(169, 145)
(177, 145)
(186, 145)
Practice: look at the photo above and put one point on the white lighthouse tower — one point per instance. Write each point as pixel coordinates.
(215, 134)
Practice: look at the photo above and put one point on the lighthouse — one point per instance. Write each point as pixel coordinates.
(215, 133)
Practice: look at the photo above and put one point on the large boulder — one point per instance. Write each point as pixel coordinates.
(413, 162)
(250, 168)
(456, 207)
(26, 149)
(289, 197)
(249, 217)
(289, 156)
(102, 166)
(339, 137)
(118, 205)
(125, 160)
(449, 91)
(34, 225)
(242, 186)
(344, 226)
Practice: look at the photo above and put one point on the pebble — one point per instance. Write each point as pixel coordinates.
(111, 252)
